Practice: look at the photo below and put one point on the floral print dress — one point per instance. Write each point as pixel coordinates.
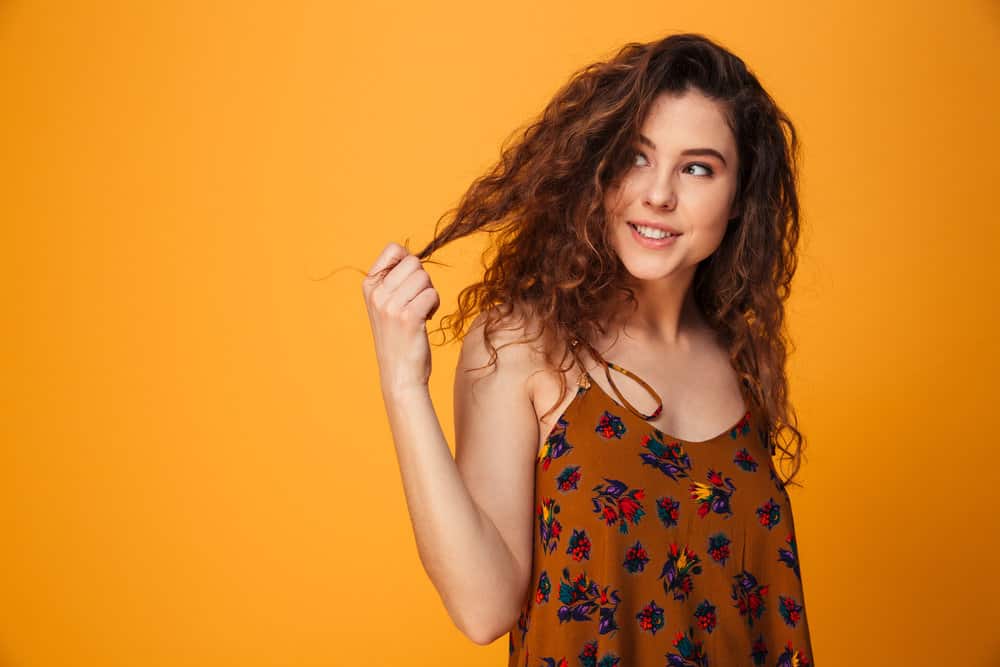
(650, 550)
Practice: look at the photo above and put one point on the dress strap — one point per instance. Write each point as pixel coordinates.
(659, 402)
(608, 365)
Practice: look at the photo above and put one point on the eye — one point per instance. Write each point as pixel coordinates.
(703, 166)
(641, 154)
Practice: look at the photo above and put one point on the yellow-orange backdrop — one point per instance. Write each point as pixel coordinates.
(196, 466)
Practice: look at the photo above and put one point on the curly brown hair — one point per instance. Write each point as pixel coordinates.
(542, 203)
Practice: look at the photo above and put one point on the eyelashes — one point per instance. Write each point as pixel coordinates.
(710, 171)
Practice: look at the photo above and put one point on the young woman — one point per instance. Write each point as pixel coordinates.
(645, 224)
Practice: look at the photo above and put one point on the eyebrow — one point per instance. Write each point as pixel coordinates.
(688, 151)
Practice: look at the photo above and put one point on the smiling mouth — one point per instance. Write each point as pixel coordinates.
(653, 238)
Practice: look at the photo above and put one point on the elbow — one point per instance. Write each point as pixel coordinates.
(484, 615)
(481, 638)
(491, 627)
(484, 637)
(485, 631)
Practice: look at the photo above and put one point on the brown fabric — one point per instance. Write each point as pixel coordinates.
(650, 551)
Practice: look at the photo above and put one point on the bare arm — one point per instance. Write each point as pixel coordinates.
(472, 514)
(480, 580)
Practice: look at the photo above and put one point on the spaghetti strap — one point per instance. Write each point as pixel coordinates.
(585, 380)
(645, 385)
(608, 365)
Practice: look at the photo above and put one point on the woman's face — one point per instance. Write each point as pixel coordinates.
(676, 181)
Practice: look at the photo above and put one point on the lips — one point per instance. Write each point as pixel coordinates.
(667, 241)
(655, 225)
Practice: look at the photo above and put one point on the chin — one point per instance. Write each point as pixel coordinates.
(642, 264)
(650, 275)
(644, 269)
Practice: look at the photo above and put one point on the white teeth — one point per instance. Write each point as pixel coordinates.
(652, 232)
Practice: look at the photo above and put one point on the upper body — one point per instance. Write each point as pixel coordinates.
(501, 424)
(653, 217)
(665, 339)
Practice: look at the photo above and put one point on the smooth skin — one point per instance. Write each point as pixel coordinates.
(473, 514)
(458, 506)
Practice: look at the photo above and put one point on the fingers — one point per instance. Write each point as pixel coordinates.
(390, 255)
(405, 290)
(413, 283)
(426, 302)
(400, 273)
(434, 308)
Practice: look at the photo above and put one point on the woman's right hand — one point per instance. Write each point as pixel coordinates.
(399, 306)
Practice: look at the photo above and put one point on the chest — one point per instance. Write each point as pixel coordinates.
(700, 392)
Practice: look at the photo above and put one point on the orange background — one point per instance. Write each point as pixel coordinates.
(196, 464)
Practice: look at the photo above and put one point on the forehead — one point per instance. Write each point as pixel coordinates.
(692, 119)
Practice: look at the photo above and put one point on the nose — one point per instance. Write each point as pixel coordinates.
(660, 193)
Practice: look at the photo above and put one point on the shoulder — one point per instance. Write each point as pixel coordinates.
(512, 329)
(518, 338)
